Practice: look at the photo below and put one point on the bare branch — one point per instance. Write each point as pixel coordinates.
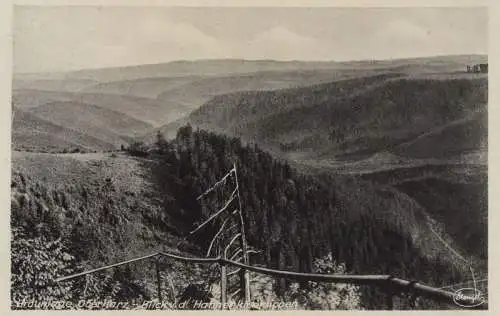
(235, 254)
(234, 272)
(222, 181)
(230, 244)
(216, 214)
(219, 232)
(238, 259)
(235, 292)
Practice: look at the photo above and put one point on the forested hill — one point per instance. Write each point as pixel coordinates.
(295, 218)
(104, 209)
(348, 118)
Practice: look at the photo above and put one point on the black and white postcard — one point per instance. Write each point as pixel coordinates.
(272, 157)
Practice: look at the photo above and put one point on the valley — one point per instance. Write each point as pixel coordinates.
(373, 162)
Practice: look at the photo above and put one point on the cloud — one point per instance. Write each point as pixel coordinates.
(281, 43)
(63, 38)
(280, 34)
(402, 31)
(399, 38)
(426, 33)
(47, 40)
(161, 40)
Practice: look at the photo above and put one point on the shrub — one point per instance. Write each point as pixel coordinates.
(313, 295)
(326, 296)
(138, 149)
(36, 263)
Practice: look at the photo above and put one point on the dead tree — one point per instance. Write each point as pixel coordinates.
(230, 250)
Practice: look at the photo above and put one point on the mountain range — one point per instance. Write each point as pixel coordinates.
(376, 162)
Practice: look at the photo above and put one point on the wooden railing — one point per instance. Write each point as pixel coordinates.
(390, 283)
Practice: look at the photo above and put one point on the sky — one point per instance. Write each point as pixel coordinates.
(68, 38)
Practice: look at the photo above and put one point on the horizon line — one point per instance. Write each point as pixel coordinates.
(248, 60)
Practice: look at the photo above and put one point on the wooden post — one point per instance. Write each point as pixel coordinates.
(223, 285)
(412, 296)
(413, 301)
(158, 279)
(390, 292)
(390, 300)
(245, 286)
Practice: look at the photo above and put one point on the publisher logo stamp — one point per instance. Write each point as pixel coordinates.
(468, 297)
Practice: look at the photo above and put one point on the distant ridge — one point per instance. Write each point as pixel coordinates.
(348, 119)
(177, 67)
(165, 94)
